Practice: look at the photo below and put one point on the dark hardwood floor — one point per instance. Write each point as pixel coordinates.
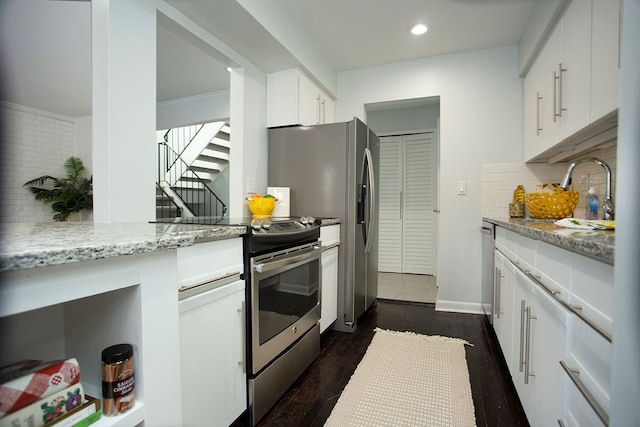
(311, 398)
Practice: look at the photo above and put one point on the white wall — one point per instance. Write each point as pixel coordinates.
(34, 143)
(193, 110)
(480, 122)
(404, 119)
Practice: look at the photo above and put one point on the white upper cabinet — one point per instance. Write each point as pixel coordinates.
(605, 57)
(294, 99)
(572, 85)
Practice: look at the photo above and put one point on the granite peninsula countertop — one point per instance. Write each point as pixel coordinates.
(598, 245)
(28, 245)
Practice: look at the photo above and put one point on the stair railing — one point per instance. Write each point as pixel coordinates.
(194, 196)
(181, 137)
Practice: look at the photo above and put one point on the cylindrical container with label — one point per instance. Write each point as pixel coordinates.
(118, 380)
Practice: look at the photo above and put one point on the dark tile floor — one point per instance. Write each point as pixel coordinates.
(310, 400)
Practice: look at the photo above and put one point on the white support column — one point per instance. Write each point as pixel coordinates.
(124, 109)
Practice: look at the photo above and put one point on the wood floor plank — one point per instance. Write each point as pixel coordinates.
(311, 398)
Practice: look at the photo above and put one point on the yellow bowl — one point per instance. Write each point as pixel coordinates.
(556, 205)
(261, 207)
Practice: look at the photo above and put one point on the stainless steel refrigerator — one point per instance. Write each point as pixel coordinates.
(332, 172)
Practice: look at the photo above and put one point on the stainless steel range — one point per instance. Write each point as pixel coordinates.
(283, 284)
(283, 275)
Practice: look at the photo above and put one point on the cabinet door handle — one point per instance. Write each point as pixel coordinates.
(324, 112)
(555, 95)
(242, 312)
(496, 293)
(538, 127)
(557, 89)
(574, 374)
(318, 110)
(560, 103)
(527, 355)
(522, 324)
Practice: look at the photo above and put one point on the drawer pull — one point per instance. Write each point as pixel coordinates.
(570, 308)
(574, 309)
(574, 374)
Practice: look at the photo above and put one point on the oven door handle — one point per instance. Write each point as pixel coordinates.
(289, 260)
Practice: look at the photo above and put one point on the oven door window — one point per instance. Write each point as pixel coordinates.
(286, 296)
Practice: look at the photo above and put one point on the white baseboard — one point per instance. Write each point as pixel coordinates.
(459, 307)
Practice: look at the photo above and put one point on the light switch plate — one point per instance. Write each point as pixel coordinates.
(462, 188)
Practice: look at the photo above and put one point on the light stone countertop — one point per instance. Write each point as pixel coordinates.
(329, 221)
(29, 245)
(598, 245)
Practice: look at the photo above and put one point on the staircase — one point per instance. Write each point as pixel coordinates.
(190, 159)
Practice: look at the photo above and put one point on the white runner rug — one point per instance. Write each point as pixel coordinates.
(407, 379)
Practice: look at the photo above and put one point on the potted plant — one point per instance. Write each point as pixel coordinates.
(66, 195)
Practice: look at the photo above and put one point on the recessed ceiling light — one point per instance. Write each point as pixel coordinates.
(418, 29)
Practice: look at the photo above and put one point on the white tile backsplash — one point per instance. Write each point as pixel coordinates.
(499, 180)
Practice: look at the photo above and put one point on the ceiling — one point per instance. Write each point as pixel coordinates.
(45, 48)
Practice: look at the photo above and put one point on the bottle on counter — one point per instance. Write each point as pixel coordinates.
(592, 205)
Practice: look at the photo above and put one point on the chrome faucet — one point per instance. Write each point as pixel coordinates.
(608, 209)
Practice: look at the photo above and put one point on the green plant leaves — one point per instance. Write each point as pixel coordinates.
(66, 195)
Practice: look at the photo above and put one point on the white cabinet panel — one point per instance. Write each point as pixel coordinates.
(548, 350)
(573, 69)
(208, 261)
(507, 242)
(592, 290)
(605, 57)
(212, 356)
(553, 266)
(330, 238)
(542, 333)
(590, 355)
(549, 327)
(329, 298)
(503, 317)
(330, 234)
(294, 99)
(572, 87)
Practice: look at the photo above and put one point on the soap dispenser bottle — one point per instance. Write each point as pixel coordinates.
(592, 204)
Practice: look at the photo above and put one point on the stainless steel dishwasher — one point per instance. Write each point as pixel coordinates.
(488, 246)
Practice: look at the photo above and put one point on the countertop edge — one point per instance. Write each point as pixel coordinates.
(329, 221)
(92, 249)
(598, 245)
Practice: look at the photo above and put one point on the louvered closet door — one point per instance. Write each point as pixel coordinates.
(407, 194)
(390, 188)
(418, 204)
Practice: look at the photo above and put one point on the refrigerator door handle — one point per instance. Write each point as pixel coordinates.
(372, 200)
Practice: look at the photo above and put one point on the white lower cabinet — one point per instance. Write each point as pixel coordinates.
(329, 301)
(212, 360)
(541, 337)
(330, 238)
(589, 359)
(554, 327)
(503, 316)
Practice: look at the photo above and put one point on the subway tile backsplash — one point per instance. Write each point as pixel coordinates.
(500, 179)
